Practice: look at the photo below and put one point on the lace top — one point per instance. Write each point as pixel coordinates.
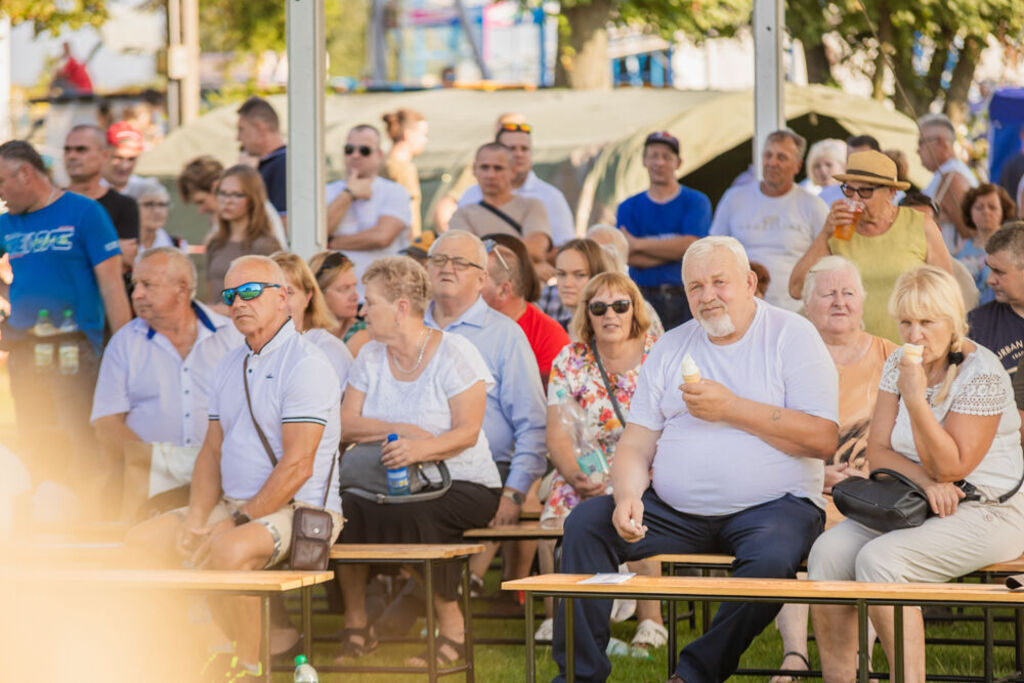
(981, 387)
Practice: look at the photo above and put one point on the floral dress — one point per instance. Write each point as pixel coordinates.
(576, 371)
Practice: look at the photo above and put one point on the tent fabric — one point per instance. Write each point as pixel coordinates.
(588, 143)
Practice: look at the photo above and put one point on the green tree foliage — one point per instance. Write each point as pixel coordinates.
(48, 15)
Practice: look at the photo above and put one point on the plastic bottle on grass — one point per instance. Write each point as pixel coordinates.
(398, 478)
(304, 671)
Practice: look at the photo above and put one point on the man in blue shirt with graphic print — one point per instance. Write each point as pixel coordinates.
(659, 225)
(65, 258)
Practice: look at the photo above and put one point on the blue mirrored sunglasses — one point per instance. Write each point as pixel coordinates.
(247, 292)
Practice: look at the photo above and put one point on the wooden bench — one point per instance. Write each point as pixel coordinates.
(731, 589)
(524, 531)
(255, 583)
(430, 556)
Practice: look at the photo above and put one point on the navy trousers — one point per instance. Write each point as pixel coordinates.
(768, 541)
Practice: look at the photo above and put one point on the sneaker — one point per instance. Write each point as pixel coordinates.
(546, 631)
(241, 671)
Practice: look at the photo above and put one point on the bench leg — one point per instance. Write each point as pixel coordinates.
(531, 664)
(470, 672)
(863, 656)
(307, 621)
(1018, 639)
(265, 636)
(428, 580)
(671, 654)
(570, 645)
(897, 627)
(989, 676)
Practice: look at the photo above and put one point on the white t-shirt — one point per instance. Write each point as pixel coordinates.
(707, 468)
(981, 387)
(563, 226)
(454, 368)
(776, 231)
(387, 198)
(290, 381)
(336, 351)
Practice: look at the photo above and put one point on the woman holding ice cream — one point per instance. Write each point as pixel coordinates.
(943, 417)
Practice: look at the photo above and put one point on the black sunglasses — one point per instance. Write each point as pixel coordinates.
(335, 259)
(365, 150)
(246, 292)
(599, 308)
(862, 192)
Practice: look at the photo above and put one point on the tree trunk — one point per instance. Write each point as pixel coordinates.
(885, 47)
(583, 47)
(960, 81)
(819, 69)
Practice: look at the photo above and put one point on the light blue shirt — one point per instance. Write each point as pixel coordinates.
(516, 416)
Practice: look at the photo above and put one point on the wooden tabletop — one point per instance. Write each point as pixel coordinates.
(725, 561)
(409, 551)
(526, 530)
(784, 589)
(192, 579)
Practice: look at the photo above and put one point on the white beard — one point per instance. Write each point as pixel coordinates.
(721, 326)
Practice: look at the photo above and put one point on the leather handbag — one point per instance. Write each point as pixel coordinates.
(884, 501)
(312, 528)
(362, 475)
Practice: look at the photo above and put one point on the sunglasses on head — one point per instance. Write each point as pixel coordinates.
(365, 150)
(599, 308)
(517, 127)
(492, 248)
(862, 192)
(335, 259)
(246, 292)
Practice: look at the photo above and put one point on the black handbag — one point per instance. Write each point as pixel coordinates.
(362, 475)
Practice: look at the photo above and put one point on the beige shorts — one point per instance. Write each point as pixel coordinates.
(278, 523)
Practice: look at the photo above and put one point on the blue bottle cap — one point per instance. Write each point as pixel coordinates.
(392, 437)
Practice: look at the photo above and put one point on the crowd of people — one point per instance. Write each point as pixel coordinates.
(505, 345)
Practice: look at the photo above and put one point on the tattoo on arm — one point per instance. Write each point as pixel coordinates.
(776, 414)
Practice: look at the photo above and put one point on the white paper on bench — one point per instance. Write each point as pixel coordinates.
(608, 579)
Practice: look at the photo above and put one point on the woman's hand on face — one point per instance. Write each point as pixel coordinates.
(912, 382)
(585, 486)
(402, 452)
(943, 498)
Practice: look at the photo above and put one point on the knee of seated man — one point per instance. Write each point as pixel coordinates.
(236, 551)
(590, 517)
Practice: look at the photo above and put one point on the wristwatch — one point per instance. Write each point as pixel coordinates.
(514, 496)
(240, 517)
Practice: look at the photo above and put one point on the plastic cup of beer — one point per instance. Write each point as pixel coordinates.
(844, 231)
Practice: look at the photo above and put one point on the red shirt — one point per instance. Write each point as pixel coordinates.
(546, 338)
(76, 75)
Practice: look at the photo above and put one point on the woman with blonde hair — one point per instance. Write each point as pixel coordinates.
(947, 421)
(407, 129)
(242, 227)
(336, 277)
(309, 312)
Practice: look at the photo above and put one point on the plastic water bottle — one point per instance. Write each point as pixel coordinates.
(44, 350)
(304, 671)
(68, 351)
(398, 478)
(589, 455)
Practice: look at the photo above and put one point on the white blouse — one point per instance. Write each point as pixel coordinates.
(981, 387)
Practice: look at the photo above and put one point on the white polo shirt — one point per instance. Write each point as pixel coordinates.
(290, 380)
(164, 395)
(338, 354)
(563, 226)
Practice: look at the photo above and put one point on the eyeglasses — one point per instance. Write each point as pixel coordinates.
(230, 195)
(246, 292)
(335, 259)
(365, 150)
(516, 127)
(492, 248)
(862, 192)
(460, 263)
(80, 149)
(155, 205)
(599, 308)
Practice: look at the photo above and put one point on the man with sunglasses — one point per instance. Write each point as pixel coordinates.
(259, 133)
(270, 446)
(64, 256)
(367, 216)
(659, 224)
(775, 220)
(518, 137)
(936, 145)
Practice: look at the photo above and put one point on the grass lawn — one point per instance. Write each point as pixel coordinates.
(506, 664)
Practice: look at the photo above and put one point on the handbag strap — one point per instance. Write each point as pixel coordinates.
(607, 384)
(503, 216)
(248, 401)
(971, 493)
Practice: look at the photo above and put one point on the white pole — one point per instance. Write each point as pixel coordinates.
(307, 79)
(5, 79)
(769, 96)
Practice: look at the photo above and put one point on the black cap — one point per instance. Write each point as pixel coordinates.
(663, 137)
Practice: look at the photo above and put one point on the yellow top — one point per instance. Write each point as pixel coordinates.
(881, 259)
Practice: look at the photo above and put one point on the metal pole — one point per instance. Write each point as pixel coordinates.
(307, 77)
(5, 78)
(769, 97)
(190, 93)
(174, 48)
(475, 42)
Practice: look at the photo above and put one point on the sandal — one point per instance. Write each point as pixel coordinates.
(443, 658)
(795, 675)
(650, 635)
(351, 649)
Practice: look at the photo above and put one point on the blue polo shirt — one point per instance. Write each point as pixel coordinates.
(53, 252)
(689, 213)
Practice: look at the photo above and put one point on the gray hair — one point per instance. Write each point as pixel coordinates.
(148, 187)
(276, 274)
(1010, 238)
(617, 250)
(938, 121)
(830, 264)
(481, 250)
(789, 134)
(705, 245)
(829, 147)
(180, 260)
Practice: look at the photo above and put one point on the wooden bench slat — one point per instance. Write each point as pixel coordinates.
(206, 580)
(389, 551)
(725, 561)
(783, 589)
(527, 530)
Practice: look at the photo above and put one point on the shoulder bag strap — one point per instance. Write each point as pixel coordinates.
(248, 402)
(607, 384)
(503, 216)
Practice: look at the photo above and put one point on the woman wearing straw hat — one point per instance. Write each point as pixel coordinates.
(882, 240)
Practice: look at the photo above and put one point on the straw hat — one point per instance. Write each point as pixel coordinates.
(871, 167)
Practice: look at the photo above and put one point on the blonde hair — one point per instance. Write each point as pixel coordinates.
(401, 277)
(928, 292)
(581, 328)
(329, 275)
(316, 315)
